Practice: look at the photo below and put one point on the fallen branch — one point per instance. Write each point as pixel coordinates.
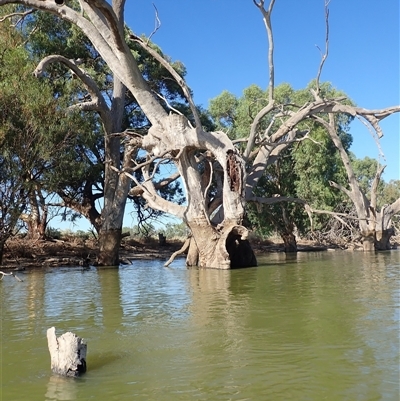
(10, 274)
(184, 248)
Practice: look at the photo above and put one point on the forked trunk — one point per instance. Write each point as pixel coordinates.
(384, 228)
(109, 243)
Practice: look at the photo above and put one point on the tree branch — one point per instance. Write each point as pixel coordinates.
(10, 274)
(374, 186)
(184, 248)
(157, 24)
(180, 81)
(103, 16)
(97, 103)
(19, 14)
(267, 21)
(325, 55)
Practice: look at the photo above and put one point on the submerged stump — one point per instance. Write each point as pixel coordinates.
(67, 352)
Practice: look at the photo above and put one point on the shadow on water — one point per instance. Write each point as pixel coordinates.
(100, 360)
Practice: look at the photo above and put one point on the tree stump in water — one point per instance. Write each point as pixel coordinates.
(67, 352)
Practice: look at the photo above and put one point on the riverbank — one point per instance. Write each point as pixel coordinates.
(21, 253)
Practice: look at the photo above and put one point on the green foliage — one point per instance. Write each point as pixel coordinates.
(390, 192)
(175, 230)
(303, 169)
(79, 179)
(144, 231)
(44, 145)
(365, 170)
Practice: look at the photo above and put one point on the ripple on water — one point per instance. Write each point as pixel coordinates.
(318, 327)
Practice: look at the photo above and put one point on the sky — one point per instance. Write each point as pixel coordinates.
(223, 44)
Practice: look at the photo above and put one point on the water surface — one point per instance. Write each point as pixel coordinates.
(316, 326)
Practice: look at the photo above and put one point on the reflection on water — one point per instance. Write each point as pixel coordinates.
(61, 389)
(311, 327)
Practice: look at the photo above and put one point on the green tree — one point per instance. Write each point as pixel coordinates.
(36, 134)
(92, 179)
(303, 168)
(212, 168)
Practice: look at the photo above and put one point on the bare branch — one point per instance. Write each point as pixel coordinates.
(375, 183)
(138, 191)
(170, 107)
(18, 14)
(97, 103)
(10, 274)
(325, 55)
(180, 81)
(157, 24)
(103, 9)
(184, 248)
(267, 21)
(341, 188)
(253, 129)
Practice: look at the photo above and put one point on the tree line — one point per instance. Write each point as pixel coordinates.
(92, 116)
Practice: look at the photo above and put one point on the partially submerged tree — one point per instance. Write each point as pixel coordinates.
(375, 223)
(212, 168)
(300, 172)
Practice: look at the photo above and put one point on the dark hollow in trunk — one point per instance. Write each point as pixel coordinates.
(240, 252)
(382, 239)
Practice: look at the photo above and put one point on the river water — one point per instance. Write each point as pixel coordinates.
(316, 326)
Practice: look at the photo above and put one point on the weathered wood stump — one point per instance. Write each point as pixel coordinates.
(67, 352)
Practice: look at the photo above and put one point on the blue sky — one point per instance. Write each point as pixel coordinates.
(223, 45)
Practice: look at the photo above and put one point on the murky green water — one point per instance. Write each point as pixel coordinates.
(322, 326)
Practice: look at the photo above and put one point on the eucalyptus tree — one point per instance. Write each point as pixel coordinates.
(36, 136)
(375, 223)
(211, 166)
(301, 172)
(92, 179)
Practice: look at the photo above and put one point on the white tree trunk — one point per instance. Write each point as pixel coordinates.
(67, 352)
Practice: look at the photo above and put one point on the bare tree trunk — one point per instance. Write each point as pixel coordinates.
(116, 186)
(289, 241)
(36, 220)
(219, 249)
(114, 195)
(384, 229)
(109, 244)
(368, 240)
